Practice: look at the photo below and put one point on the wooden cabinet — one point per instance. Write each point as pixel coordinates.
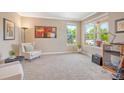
(113, 56)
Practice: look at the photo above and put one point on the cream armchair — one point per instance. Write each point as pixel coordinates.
(29, 52)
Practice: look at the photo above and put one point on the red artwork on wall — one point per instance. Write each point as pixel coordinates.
(45, 32)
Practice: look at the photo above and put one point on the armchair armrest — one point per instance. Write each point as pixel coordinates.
(26, 54)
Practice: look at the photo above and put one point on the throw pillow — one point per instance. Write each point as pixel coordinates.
(28, 48)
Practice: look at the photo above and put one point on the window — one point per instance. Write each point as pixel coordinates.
(96, 33)
(71, 33)
(103, 30)
(90, 34)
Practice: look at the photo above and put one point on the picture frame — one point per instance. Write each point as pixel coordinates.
(119, 25)
(8, 29)
(45, 32)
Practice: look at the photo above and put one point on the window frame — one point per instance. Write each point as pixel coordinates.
(108, 26)
(97, 25)
(74, 24)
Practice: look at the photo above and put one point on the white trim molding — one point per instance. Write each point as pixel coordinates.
(96, 18)
(53, 53)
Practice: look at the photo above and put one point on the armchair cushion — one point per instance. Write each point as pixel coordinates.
(28, 48)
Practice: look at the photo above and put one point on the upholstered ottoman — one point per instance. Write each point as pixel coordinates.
(11, 71)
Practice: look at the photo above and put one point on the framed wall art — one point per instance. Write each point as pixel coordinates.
(45, 32)
(8, 29)
(119, 25)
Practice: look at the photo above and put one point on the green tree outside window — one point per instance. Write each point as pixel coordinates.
(71, 34)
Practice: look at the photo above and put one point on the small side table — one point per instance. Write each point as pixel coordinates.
(18, 58)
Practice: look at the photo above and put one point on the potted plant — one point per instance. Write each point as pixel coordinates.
(79, 47)
(12, 53)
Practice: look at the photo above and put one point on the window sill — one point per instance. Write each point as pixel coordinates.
(70, 45)
(96, 47)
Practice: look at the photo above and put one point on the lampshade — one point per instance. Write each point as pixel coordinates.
(24, 27)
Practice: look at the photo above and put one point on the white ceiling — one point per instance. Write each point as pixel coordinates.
(58, 15)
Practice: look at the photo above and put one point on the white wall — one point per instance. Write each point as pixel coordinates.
(6, 45)
(113, 16)
(50, 44)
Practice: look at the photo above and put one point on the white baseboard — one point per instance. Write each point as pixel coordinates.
(86, 53)
(65, 52)
(53, 53)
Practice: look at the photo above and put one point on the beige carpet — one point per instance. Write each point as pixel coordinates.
(64, 67)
